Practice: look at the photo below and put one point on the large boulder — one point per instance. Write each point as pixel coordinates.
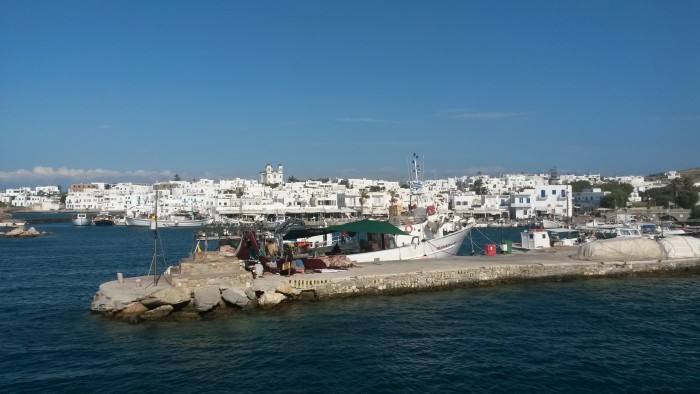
(32, 232)
(16, 232)
(166, 296)
(206, 298)
(270, 299)
(21, 232)
(250, 293)
(157, 314)
(287, 289)
(135, 308)
(132, 312)
(236, 297)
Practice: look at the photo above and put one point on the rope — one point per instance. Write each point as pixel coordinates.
(480, 252)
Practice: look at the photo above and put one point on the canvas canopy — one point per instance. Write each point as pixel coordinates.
(617, 249)
(360, 226)
(680, 247)
(620, 249)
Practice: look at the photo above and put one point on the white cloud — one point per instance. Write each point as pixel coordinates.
(42, 173)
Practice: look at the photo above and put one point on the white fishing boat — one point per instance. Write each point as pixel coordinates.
(438, 238)
(168, 221)
(81, 219)
(421, 233)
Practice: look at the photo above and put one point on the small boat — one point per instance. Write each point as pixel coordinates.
(81, 219)
(169, 221)
(548, 224)
(12, 223)
(103, 219)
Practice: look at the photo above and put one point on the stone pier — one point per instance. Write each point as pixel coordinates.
(213, 284)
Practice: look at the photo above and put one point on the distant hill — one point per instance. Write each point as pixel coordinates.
(692, 173)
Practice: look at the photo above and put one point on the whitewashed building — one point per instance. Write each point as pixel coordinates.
(270, 177)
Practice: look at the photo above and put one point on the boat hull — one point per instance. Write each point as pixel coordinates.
(445, 246)
(145, 222)
(16, 223)
(81, 221)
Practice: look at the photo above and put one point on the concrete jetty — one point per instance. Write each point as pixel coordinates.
(208, 284)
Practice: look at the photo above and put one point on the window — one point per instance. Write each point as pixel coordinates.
(543, 193)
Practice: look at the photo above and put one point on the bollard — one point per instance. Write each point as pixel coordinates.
(138, 282)
(120, 277)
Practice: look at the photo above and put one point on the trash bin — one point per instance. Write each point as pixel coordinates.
(507, 246)
(490, 249)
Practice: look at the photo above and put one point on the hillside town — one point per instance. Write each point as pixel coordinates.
(507, 197)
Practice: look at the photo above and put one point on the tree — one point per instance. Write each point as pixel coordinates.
(364, 196)
(177, 178)
(479, 187)
(612, 186)
(394, 196)
(695, 212)
(686, 199)
(615, 199)
(292, 178)
(579, 186)
(608, 201)
(678, 191)
(240, 191)
(686, 194)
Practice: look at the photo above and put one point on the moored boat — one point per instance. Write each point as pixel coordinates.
(424, 232)
(425, 240)
(12, 223)
(170, 221)
(81, 219)
(103, 219)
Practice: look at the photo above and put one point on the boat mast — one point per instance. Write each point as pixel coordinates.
(415, 183)
(156, 239)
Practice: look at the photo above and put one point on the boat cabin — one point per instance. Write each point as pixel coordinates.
(535, 238)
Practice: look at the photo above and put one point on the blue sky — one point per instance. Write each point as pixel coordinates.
(140, 90)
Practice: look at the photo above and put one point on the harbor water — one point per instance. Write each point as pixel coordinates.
(601, 335)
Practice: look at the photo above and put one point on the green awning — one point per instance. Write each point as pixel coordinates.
(360, 226)
(368, 226)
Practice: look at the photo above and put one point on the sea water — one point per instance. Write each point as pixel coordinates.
(601, 335)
